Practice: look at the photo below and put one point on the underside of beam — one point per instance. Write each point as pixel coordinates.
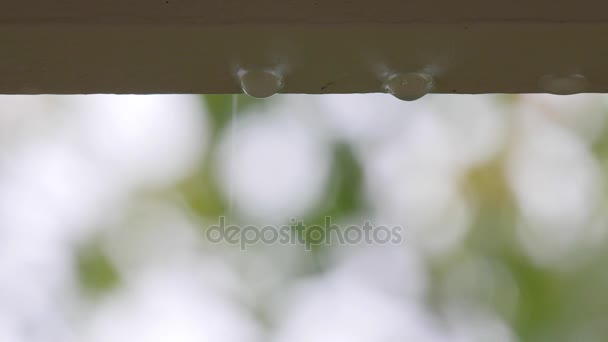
(327, 46)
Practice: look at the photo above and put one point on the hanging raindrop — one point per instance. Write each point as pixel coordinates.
(260, 83)
(564, 84)
(409, 86)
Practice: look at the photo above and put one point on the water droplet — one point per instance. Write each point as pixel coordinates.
(564, 84)
(260, 83)
(409, 86)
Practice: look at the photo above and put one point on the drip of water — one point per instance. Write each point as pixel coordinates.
(564, 84)
(409, 86)
(260, 83)
(235, 103)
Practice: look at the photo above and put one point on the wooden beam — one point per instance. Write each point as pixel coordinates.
(248, 12)
(324, 46)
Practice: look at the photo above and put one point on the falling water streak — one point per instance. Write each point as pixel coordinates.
(235, 102)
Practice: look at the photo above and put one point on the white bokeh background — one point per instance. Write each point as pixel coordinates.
(107, 168)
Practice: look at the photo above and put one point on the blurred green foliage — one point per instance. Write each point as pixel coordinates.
(551, 305)
(97, 274)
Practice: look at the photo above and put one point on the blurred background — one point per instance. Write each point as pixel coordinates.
(104, 203)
